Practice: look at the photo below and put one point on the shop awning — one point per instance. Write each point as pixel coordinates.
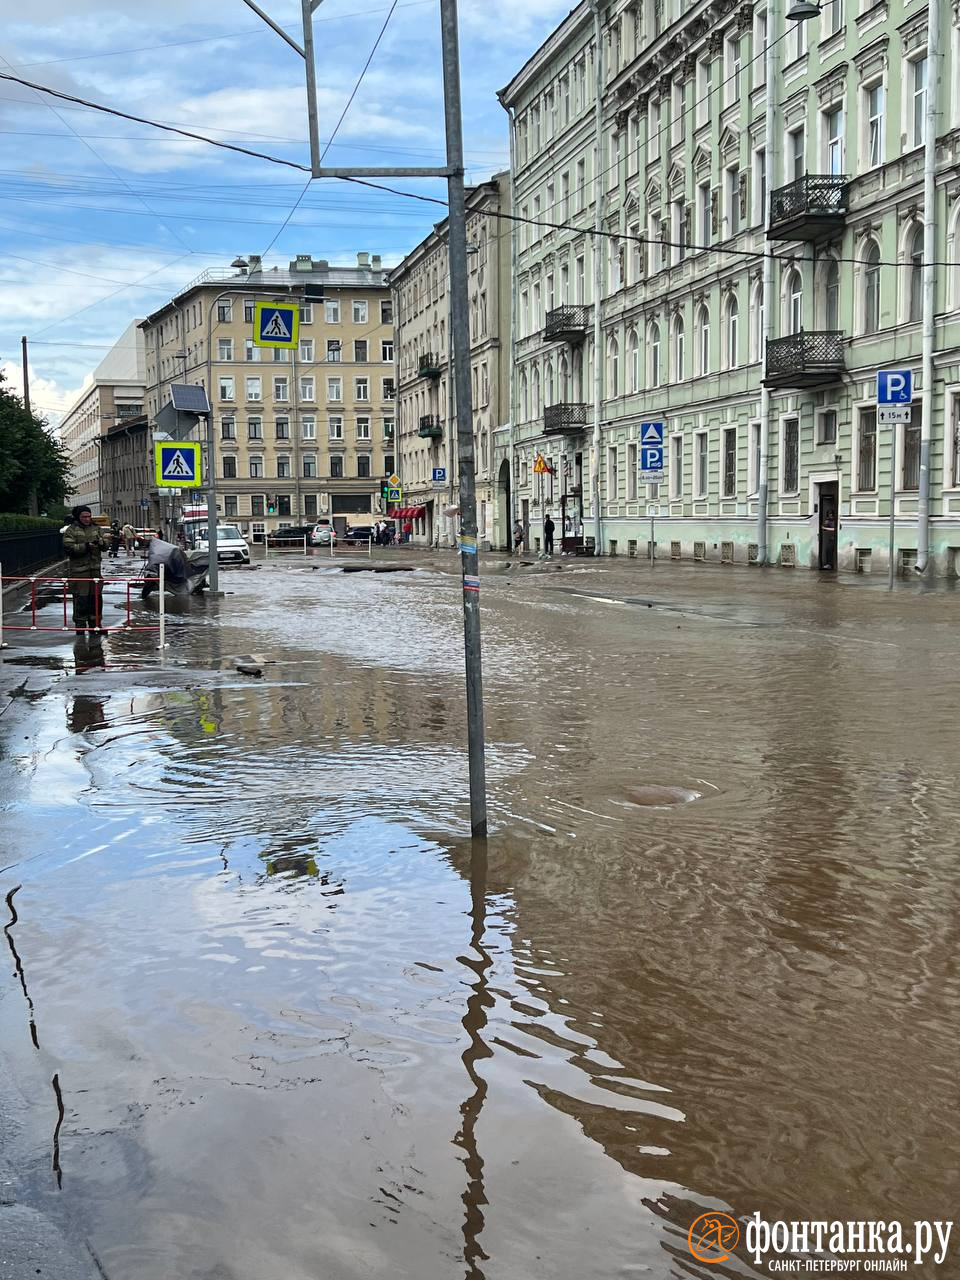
(408, 513)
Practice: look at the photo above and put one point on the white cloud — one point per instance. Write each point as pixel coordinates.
(48, 398)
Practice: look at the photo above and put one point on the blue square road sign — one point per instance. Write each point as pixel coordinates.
(651, 434)
(894, 386)
(651, 458)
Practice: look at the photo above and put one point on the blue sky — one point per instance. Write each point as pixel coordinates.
(102, 220)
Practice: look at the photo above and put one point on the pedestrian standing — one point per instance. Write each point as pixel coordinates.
(407, 530)
(85, 542)
(517, 537)
(114, 539)
(548, 528)
(129, 537)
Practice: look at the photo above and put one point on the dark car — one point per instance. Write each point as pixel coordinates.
(290, 535)
(360, 533)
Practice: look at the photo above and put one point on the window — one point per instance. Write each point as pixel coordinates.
(732, 344)
(254, 428)
(754, 479)
(633, 347)
(308, 389)
(225, 349)
(910, 452)
(874, 106)
(282, 428)
(363, 428)
(281, 388)
(309, 504)
(254, 390)
(226, 388)
(700, 462)
(229, 468)
(733, 199)
(389, 428)
(833, 140)
(760, 187)
(336, 467)
(388, 464)
(335, 427)
(334, 388)
(679, 350)
(386, 350)
(653, 129)
(918, 91)
(331, 311)
(676, 466)
(867, 451)
(915, 274)
(730, 462)
(795, 158)
(360, 351)
(256, 469)
(704, 213)
(361, 388)
(654, 339)
(363, 466)
(231, 506)
(794, 301)
(613, 368)
(790, 465)
(834, 16)
(280, 355)
(306, 350)
(756, 322)
(734, 68)
(283, 467)
(581, 185)
(632, 472)
(283, 504)
(796, 41)
(308, 428)
(248, 311)
(831, 294)
(228, 428)
(703, 339)
(251, 353)
(224, 311)
(309, 466)
(871, 287)
(257, 505)
(827, 426)
(954, 446)
(704, 89)
(759, 48)
(386, 311)
(306, 314)
(360, 310)
(612, 479)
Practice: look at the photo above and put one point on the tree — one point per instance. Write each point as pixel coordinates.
(33, 463)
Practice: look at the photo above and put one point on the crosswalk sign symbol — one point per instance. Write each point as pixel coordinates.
(276, 324)
(651, 434)
(177, 466)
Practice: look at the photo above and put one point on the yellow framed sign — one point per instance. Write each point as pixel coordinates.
(177, 466)
(276, 324)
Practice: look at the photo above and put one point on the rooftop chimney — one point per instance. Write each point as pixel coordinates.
(255, 261)
(302, 262)
(363, 259)
(376, 261)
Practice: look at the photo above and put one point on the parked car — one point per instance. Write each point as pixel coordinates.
(231, 545)
(360, 533)
(289, 535)
(323, 535)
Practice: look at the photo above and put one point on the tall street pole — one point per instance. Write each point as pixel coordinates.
(460, 324)
(32, 505)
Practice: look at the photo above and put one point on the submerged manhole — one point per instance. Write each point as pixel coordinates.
(653, 797)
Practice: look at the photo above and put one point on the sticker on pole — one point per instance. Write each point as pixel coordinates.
(177, 466)
(276, 324)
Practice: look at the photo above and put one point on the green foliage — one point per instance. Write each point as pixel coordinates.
(28, 524)
(33, 464)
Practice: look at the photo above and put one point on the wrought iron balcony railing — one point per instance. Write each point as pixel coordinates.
(429, 365)
(566, 324)
(805, 359)
(559, 419)
(809, 207)
(431, 428)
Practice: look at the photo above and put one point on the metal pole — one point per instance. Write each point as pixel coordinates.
(311, 69)
(26, 374)
(512, 345)
(1, 607)
(928, 279)
(469, 560)
(213, 572)
(891, 571)
(652, 518)
(163, 608)
(770, 133)
(598, 354)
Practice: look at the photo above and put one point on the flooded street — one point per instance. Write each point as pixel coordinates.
(303, 1030)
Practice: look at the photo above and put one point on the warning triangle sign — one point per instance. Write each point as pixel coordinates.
(178, 468)
(276, 328)
(652, 433)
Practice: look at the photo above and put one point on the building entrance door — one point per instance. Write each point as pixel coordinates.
(827, 505)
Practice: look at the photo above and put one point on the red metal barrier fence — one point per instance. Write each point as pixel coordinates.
(63, 585)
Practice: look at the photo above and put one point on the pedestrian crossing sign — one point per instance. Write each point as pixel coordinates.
(177, 465)
(276, 324)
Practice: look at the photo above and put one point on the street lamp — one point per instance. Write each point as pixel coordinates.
(803, 10)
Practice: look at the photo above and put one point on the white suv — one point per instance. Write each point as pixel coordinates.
(231, 545)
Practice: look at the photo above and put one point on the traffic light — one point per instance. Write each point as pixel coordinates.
(384, 490)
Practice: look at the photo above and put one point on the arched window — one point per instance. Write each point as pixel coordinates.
(535, 391)
(613, 368)
(793, 298)
(653, 338)
(830, 294)
(703, 339)
(756, 322)
(914, 272)
(634, 356)
(548, 396)
(871, 286)
(576, 385)
(564, 386)
(679, 350)
(953, 255)
(524, 396)
(731, 350)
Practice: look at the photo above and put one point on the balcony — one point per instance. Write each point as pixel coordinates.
(805, 359)
(810, 208)
(566, 324)
(429, 365)
(564, 419)
(431, 428)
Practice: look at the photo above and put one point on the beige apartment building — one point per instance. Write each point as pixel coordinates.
(299, 434)
(427, 430)
(114, 396)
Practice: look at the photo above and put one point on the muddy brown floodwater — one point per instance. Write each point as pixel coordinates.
(303, 1031)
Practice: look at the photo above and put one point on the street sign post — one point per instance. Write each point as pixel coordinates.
(177, 465)
(894, 396)
(393, 482)
(651, 452)
(276, 324)
(394, 494)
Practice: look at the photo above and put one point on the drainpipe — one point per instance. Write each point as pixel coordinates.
(770, 134)
(597, 278)
(928, 279)
(511, 346)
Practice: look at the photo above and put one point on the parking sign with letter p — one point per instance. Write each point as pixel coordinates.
(894, 386)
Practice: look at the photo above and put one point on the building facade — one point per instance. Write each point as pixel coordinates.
(739, 269)
(298, 434)
(114, 395)
(127, 476)
(427, 421)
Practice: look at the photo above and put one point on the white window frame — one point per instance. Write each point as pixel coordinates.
(281, 390)
(226, 388)
(364, 428)
(727, 428)
(753, 462)
(873, 156)
(308, 427)
(701, 474)
(335, 426)
(308, 389)
(360, 311)
(361, 390)
(781, 484)
(915, 98)
(632, 471)
(253, 390)
(833, 117)
(307, 349)
(225, 349)
(675, 466)
(331, 310)
(335, 390)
